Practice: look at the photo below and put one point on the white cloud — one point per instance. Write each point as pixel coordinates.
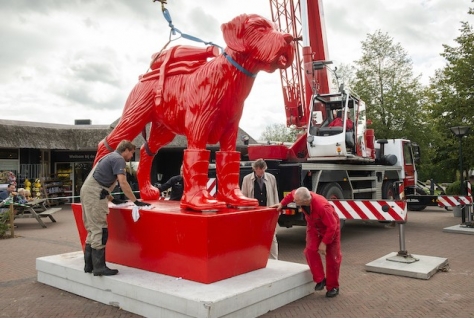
(66, 60)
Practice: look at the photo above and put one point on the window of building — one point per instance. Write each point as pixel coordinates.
(9, 153)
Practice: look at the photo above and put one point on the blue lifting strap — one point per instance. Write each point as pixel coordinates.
(174, 30)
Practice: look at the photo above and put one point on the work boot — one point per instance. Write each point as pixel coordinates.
(88, 259)
(320, 285)
(195, 194)
(332, 293)
(98, 261)
(228, 171)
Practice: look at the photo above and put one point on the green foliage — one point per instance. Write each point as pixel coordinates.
(454, 188)
(345, 73)
(385, 81)
(400, 107)
(4, 222)
(451, 100)
(279, 133)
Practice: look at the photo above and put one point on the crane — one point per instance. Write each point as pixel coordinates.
(336, 161)
(309, 105)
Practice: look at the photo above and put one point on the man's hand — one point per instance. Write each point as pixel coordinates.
(118, 201)
(138, 203)
(277, 206)
(322, 248)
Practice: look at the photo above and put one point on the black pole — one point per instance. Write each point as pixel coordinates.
(463, 217)
(461, 131)
(460, 163)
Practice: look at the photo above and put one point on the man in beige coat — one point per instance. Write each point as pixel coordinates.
(263, 187)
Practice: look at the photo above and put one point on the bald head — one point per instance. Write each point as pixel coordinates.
(302, 196)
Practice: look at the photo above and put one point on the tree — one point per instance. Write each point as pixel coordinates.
(452, 102)
(385, 81)
(279, 133)
(344, 74)
(396, 101)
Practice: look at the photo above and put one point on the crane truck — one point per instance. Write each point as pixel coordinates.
(338, 162)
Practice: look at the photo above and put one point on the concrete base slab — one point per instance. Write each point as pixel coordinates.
(423, 268)
(459, 229)
(155, 295)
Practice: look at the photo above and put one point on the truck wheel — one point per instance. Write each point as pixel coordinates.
(387, 190)
(342, 222)
(387, 193)
(414, 207)
(332, 191)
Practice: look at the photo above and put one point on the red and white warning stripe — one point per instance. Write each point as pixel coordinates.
(384, 210)
(453, 200)
(212, 186)
(469, 190)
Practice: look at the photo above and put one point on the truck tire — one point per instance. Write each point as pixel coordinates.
(387, 193)
(332, 191)
(415, 207)
(387, 190)
(342, 222)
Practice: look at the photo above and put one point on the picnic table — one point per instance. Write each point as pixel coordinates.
(34, 209)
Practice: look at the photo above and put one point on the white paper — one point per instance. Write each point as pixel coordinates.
(135, 213)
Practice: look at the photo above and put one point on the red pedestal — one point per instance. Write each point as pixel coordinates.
(202, 247)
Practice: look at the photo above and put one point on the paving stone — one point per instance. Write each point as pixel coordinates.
(362, 294)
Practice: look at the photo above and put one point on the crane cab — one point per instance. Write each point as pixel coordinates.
(337, 128)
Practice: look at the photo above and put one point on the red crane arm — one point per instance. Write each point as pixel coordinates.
(305, 21)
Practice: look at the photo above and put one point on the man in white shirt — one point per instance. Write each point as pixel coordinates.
(263, 187)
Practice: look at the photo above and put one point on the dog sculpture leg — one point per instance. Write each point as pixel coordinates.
(136, 113)
(227, 166)
(159, 137)
(195, 195)
(102, 150)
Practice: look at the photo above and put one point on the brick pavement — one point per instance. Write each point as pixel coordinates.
(363, 294)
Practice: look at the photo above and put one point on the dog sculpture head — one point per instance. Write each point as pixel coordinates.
(262, 46)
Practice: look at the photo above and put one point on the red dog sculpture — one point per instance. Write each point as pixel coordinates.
(203, 100)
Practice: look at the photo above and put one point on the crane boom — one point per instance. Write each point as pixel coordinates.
(305, 21)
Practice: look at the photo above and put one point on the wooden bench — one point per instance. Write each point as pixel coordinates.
(49, 213)
(27, 211)
(39, 205)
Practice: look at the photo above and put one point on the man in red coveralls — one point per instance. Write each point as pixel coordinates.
(338, 122)
(322, 237)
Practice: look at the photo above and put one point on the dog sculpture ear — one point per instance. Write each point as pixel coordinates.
(233, 35)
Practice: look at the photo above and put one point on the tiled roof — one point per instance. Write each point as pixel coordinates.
(22, 134)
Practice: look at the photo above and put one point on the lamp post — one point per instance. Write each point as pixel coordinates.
(460, 132)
